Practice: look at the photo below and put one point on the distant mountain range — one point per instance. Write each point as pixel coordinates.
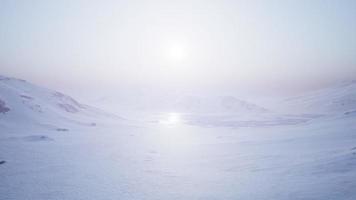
(181, 103)
(23, 104)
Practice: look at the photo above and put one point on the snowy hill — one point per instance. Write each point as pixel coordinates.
(23, 104)
(219, 104)
(336, 99)
(180, 103)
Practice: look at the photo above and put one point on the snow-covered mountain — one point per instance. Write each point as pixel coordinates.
(24, 104)
(216, 104)
(181, 103)
(340, 98)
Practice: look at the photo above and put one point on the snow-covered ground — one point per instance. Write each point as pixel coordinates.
(50, 151)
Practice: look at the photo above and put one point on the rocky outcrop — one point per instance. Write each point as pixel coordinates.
(3, 108)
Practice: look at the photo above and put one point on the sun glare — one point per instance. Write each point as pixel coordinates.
(177, 52)
(171, 119)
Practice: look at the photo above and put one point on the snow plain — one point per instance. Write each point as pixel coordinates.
(90, 154)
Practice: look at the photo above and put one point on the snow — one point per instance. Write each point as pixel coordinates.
(336, 99)
(183, 102)
(172, 155)
(30, 105)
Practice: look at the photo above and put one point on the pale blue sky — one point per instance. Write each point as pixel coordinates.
(254, 44)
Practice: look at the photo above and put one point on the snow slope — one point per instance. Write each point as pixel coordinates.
(23, 104)
(336, 99)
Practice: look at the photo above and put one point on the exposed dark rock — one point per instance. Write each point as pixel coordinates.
(2, 162)
(26, 97)
(68, 100)
(62, 129)
(350, 112)
(3, 108)
(68, 108)
(37, 138)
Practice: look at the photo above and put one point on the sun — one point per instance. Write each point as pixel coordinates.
(177, 52)
(171, 119)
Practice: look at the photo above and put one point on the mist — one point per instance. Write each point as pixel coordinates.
(249, 46)
(177, 99)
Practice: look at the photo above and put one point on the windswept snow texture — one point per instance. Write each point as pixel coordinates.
(340, 98)
(254, 155)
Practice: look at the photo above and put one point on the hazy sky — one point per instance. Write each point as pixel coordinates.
(238, 44)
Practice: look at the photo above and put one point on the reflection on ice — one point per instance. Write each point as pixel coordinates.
(173, 135)
(171, 119)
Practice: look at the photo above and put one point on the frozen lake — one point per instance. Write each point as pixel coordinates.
(172, 156)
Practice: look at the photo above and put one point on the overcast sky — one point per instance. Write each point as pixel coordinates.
(261, 45)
